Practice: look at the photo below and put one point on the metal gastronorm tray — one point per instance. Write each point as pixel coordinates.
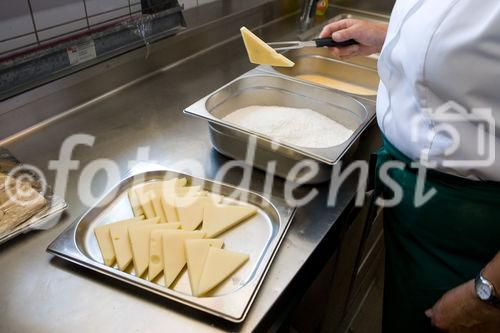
(260, 88)
(260, 237)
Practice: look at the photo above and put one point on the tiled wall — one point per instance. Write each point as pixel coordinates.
(28, 23)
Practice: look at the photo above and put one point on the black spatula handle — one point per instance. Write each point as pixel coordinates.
(329, 42)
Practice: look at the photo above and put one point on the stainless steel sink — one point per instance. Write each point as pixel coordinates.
(359, 71)
(298, 54)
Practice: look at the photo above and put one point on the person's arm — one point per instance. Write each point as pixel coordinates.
(370, 35)
(460, 310)
(492, 272)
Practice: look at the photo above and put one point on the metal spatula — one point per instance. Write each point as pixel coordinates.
(318, 42)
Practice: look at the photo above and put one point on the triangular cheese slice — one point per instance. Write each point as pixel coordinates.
(157, 207)
(155, 266)
(190, 210)
(168, 200)
(121, 242)
(182, 192)
(106, 244)
(215, 198)
(174, 255)
(219, 265)
(149, 194)
(169, 210)
(219, 218)
(145, 201)
(262, 54)
(135, 203)
(156, 263)
(196, 254)
(139, 242)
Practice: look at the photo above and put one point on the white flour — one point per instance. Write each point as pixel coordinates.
(301, 127)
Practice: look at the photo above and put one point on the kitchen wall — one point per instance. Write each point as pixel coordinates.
(28, 23)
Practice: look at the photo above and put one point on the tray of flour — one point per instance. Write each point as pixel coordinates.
(291, 120)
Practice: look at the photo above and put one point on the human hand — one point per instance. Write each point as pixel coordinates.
(369, 35)
(459, 310)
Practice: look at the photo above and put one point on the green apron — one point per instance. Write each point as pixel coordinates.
(436, 247)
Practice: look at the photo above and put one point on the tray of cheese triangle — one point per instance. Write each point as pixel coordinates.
(196, 241)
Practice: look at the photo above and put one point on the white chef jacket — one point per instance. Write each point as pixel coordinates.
(440, 73)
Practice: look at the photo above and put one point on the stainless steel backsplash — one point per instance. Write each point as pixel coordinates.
(207, 25)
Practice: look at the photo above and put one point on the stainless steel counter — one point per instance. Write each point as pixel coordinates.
(40, 293)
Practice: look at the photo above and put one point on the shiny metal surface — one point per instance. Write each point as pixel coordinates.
(41, 293)
(208, 26)
(258, 88)
(361, 72)
(291, 45)
(259, 237)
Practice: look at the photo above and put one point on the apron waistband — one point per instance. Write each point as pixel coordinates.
(488, 189)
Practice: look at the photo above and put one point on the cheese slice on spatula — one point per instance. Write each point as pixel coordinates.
(219, 218)
(262, 54)
(219, 265)
(196, 254)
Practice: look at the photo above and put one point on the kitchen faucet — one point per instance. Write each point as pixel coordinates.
(308, 12)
